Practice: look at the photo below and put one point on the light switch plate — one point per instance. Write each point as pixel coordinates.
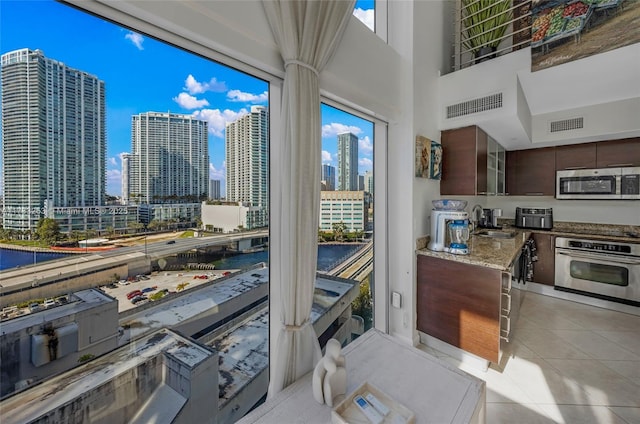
(396, 300)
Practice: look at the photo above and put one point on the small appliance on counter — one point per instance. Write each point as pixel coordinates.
(447, 222)
(534, 218)
(489, 218)
(458, 236)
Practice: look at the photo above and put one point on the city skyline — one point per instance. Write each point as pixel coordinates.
(182, 82)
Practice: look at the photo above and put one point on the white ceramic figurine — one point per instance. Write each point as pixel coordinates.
(330, 374)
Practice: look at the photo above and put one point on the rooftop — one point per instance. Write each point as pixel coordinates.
(244, 350)
(193, 303)
(78, 302)
(64, 388)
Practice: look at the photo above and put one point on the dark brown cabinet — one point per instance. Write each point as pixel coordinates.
(618, 153)
(460, 304)
(472, 163)
(544, 269)
(464, 158)
(576, 156)
(531, 172)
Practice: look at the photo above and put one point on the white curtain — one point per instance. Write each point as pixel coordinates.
(307, 33)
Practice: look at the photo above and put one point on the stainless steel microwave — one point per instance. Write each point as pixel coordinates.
(603, 183)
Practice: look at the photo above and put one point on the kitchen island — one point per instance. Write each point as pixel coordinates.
(467, 301)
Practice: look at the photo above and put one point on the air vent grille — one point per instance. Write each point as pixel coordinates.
(481, 104)
(567, 124)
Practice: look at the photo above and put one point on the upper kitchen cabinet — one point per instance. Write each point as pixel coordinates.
(618, 153)
(576, 156)
(472, 163)
(531, 172)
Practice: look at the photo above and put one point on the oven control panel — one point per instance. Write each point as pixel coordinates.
(605, 247)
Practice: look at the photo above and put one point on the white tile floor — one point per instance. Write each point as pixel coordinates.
(567, 363)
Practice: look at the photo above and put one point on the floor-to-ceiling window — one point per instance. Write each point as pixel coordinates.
(183, 94)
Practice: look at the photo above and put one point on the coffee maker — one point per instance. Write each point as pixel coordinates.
(441, 220)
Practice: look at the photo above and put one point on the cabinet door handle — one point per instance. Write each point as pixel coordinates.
(575, 167)
(537, 193)
(613, 165)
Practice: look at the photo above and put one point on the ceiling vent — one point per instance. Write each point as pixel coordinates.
(481, 104)
(567, 124)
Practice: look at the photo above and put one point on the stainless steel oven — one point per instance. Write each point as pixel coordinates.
(604, 269)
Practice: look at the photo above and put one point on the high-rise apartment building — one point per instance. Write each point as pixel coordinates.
(347, 162)
(169, 162)
(247, 159)
(328, 178)
(53, 137)
(214, 190)
(126, 160)
(368, 182)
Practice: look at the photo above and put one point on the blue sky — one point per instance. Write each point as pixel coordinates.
(142, 74)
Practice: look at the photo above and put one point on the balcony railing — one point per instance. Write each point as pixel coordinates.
(485, 29)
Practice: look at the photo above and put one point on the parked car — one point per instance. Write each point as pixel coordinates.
(124, 282)
(133, 294)
(34, 307)
(147, 289)
(49, 303)
(138, 299)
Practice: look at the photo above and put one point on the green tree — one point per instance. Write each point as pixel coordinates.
(339, 229)
(48, 230)
(363, 304)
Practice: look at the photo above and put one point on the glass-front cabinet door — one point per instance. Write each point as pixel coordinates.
(495, 168)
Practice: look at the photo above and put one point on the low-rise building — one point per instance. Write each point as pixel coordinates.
(215, 376)
(161, 375)
(35, 346)
(348, 207)
(226, 217)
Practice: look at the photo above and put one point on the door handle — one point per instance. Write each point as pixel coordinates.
(602, 258)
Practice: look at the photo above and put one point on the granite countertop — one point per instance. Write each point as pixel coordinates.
(497, 253)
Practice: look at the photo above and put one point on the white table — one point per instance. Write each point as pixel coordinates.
(436, 391)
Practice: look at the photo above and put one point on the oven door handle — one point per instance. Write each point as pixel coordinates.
(599, 257)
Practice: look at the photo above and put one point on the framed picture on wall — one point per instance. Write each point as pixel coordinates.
(423, 157)
(428, 158)
(436, 161)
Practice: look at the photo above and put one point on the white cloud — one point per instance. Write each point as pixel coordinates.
(218, 174)
(241, 96)
(218, 119)
(326, 156)
(187, 101)
(113, 176)
(365, 162)
(195, 87)
(136, 39)
(365, 146)
(113, 162)
(334, 128)
(367, 16)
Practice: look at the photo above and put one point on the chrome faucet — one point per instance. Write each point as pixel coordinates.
(474, 216)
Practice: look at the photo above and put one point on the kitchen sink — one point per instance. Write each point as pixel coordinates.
(496, 234)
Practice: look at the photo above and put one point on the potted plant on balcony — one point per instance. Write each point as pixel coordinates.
(484, 23)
